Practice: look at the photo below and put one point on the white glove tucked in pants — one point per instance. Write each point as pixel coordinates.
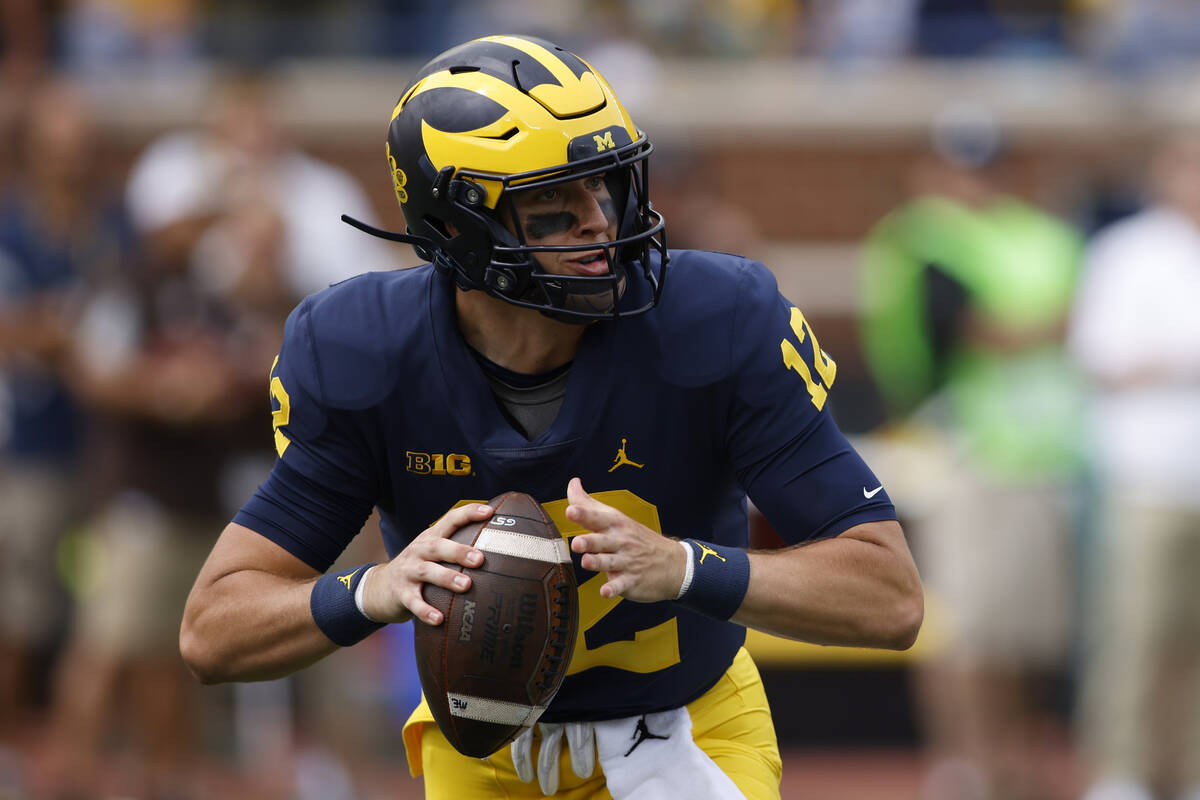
(648, 757)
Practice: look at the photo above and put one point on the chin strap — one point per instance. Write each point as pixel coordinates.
(391, 236)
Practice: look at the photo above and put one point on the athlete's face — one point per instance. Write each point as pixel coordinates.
(573, 213)
(579, 212)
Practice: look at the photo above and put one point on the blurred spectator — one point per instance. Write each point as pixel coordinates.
(24, 45)
(966, 291)
(166, 374)
(239, 226)
(172, 358)
(698, 28)
(235, 30)
(58, 231)
(863, 30)
(972, 28)
(172, 376)
(416, 29)
(221, 199)
(102, 36)
(1141, 37)
(1137, 335)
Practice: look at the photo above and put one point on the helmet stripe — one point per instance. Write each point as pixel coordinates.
(573, 95)
(530, 149)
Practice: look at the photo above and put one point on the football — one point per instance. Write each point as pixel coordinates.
(502, 650)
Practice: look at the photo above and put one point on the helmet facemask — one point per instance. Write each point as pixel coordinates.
(514, 273)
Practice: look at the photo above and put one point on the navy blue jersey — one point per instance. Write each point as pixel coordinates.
(672, 417)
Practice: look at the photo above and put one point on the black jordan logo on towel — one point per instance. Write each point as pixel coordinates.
(641, 733)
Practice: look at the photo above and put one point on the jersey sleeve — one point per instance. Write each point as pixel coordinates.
(322, 487)
(786, 449)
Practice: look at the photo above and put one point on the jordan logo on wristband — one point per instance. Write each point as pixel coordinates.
(706, 551)
(348, 579)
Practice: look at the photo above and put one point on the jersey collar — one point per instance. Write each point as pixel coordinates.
(465, 388)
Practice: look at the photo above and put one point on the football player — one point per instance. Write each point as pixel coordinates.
(553, 345)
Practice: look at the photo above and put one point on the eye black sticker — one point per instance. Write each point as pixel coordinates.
(539, 226)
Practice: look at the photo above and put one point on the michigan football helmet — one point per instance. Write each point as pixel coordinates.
(505, 114)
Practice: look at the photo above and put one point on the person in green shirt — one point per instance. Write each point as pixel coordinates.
(965, 295)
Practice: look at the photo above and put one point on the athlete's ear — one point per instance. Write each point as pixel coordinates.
(451, 230)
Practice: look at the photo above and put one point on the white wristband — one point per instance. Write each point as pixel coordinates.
(358, 594)
(688, 570)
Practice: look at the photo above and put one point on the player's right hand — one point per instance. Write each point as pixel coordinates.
(392, 591)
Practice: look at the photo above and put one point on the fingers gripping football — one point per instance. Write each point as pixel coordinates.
(393, 590)
(641, 564)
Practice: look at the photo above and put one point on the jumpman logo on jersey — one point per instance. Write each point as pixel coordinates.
(346, 579)
(706, 551)
(641, 733)
(623, 459)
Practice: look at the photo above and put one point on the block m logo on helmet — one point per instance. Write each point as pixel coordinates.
(601, 141)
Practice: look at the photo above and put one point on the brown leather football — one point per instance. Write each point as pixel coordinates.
(497, 660)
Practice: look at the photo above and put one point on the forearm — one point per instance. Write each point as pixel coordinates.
(227, 638)
(859, 589)
(248, 617)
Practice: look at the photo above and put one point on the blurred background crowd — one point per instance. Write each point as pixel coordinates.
(990, 209)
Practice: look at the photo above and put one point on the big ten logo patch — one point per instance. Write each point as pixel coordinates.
(437, 463)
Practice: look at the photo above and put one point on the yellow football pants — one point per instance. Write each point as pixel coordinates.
(731, 722)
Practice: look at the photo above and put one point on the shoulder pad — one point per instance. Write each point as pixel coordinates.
(708, 298)
(343, 340)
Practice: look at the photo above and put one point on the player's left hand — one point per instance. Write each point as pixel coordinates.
(641, 565)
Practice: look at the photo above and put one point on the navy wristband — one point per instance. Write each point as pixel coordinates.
(720, 577)
(334, 610)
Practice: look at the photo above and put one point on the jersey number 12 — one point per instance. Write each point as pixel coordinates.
(818, 386)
